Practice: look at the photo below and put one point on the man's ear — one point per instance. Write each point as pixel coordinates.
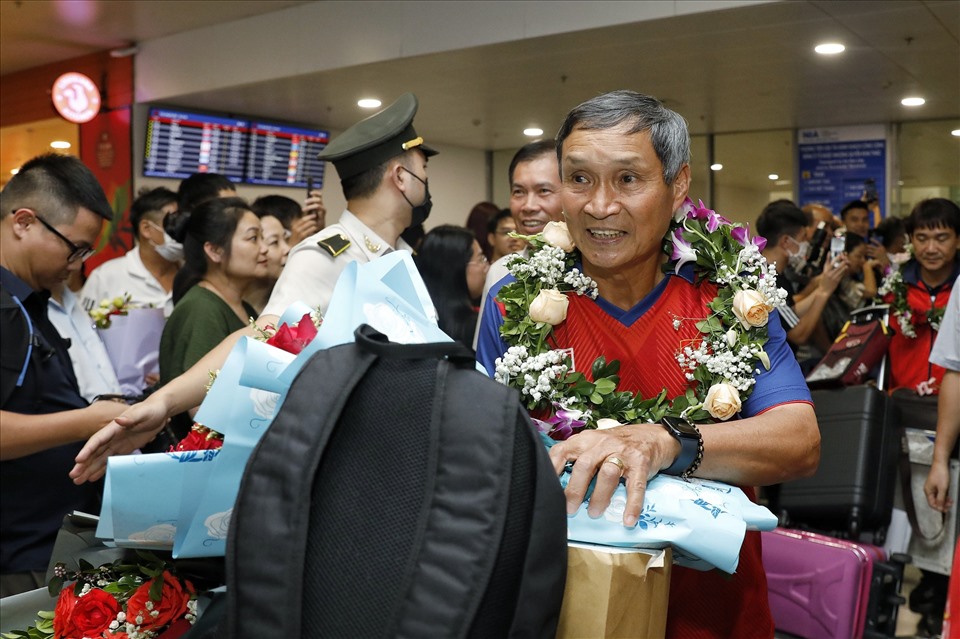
(22, 219)
(681, 186)
(214, 253)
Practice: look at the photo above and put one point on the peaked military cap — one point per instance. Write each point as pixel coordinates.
(376, 139)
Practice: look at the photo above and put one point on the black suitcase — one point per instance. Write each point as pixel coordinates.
(852, 490)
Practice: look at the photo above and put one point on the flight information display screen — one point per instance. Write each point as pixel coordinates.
(285, 155)
(180, 143)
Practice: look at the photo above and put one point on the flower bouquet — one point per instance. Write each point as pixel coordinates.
(131, 336)
(183, 500)
(148, 597)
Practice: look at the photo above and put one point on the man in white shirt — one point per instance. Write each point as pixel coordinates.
(147, 270)
(95, 374)
(382, 164)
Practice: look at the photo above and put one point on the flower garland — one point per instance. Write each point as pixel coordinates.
(894, 285)
(722, 364)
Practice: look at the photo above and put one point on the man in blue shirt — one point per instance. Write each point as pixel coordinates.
(51, 213)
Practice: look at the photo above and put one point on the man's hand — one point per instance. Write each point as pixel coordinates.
(936, 487)
(642, 448)
(877, 252)
(136, 427)
(313, 219)
(833, 273)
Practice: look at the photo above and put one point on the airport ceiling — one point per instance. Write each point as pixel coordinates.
(735, 70)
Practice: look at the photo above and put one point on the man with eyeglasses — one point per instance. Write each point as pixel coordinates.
(51, 212)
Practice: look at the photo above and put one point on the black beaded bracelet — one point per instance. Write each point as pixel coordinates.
(696, 460)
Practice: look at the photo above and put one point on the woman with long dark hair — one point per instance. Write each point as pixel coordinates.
(224, 254)
(453, 267)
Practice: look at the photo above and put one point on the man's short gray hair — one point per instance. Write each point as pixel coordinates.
(668, 129)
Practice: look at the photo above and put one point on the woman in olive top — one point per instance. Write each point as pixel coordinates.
(224, 255)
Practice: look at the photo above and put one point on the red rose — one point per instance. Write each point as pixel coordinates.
(84, 616)
(63, 614)
(198, 439)
(293, 340)
(172, 604)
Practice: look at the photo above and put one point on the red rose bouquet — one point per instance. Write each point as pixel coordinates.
(122, 600)
(293, 339)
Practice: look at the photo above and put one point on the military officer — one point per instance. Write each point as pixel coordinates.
(382, 164)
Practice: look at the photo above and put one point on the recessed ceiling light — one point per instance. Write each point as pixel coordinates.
(60, 144)
(829, 48)
(369, 103)
(14, 171)
(773, 176)
(716, 167)
(955, 132)
(913, 101)
(533, 132)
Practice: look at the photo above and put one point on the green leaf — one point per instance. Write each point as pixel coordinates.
(605, 386)
(55, 586)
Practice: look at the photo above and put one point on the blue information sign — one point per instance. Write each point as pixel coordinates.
(835, 165)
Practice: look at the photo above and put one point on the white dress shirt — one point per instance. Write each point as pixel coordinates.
(94, 371)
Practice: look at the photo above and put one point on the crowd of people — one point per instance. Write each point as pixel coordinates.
(616, 174)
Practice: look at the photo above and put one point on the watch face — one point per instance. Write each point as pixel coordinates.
(681, 426)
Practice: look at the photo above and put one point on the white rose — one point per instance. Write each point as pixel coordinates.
(556, 234)
(606, 422)
(550, 306)
(722, 401)
(751, 308)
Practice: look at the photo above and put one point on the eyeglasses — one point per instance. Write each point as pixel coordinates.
(76, 252)
(480, 260)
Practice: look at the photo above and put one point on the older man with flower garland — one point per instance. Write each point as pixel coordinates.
(684, 301)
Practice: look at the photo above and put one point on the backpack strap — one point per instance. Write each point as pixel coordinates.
(371, 340)
(443, 595)
(278, 496)
(18, 344)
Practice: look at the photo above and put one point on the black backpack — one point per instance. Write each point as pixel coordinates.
(398, 493)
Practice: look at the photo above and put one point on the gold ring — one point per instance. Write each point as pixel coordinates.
(616, 461)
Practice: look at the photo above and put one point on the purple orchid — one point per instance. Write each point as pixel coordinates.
(713, 219)
(683, 251)
(562, 424)
(684, 211)
(742, 236)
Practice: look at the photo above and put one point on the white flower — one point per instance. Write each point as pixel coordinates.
(605, 422)
(731, 337)
(550, 306)
(751, 308)
(557, 234)
(722, 401)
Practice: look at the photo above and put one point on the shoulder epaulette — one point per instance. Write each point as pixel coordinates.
(335, 244)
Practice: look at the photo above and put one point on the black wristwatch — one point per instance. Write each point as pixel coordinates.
(691, 446)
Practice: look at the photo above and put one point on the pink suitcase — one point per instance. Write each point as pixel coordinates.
(818, 586)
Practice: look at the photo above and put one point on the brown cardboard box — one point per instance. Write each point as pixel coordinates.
(615, 592)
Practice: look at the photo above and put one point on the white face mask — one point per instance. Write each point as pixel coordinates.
(798, 260)
(171, 250)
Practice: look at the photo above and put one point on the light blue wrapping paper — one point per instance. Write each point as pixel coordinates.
(704, 521)
(142, 504)
(189, 505)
